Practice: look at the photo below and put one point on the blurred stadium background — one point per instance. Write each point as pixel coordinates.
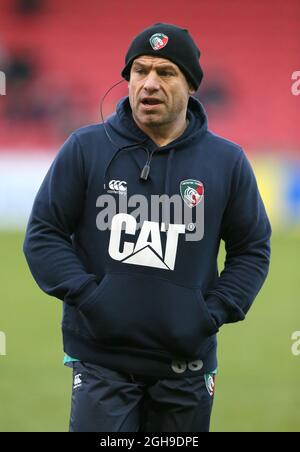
(59, 58)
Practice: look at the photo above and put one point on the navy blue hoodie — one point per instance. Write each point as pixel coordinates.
(142, 297)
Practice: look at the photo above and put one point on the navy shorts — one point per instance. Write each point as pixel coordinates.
(104, 400)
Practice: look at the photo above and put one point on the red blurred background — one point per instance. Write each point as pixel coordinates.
(60, 57)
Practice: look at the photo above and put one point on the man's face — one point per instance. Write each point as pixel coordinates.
(158, 91)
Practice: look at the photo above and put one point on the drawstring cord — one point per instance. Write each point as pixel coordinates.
(167, 186)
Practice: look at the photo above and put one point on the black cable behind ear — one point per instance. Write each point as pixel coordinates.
(101, 112)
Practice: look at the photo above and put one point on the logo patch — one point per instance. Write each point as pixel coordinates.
(191, 191)
(210, 383)
(117, 186)
(158, 41)
(181, 366)
(77, 381)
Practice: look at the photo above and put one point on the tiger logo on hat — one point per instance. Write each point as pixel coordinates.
(158, 41)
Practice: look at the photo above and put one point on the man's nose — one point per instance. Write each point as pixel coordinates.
(152, 82)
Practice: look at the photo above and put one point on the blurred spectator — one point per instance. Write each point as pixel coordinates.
(21, 67)
(215, 92)
(4, 56)
(37, 99)
(28, 7)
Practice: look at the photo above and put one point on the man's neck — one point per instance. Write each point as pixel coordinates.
(163, 135)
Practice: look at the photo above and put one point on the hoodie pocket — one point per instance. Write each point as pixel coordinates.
(135, 310)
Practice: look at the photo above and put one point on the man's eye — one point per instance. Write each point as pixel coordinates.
(140, 71)
(166, 74)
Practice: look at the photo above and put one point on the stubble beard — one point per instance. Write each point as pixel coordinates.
(154, 121)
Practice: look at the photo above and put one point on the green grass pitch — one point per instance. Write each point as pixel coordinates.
(258, 384)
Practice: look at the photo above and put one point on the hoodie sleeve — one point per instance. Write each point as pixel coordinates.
(246, 232)
(56, 210)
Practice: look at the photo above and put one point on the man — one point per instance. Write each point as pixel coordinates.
(143, 301)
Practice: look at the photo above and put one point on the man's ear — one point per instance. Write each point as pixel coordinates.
(191, 89)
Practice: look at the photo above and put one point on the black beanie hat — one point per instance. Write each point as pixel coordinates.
(170, 42)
